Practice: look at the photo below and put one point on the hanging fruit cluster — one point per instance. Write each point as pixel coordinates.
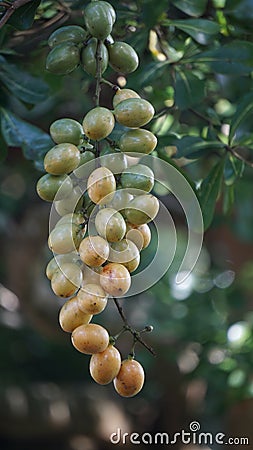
(93, 266)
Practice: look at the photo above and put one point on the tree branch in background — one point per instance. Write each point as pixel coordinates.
(10, 9)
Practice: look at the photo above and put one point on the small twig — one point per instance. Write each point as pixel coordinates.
(115, 87)
(127, 327)
(10, 9)
(238, 156)
(98, 72)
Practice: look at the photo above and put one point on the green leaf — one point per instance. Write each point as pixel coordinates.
(201, 30)
(234, 58)
(228, 199)
(23, 18)
(18, 133)
(189, 90)
(233, 169)
(3, 149)
(189, 146)
(163, 154)
(191, 7)
(209, 192)
(25, 87)
(243, 111)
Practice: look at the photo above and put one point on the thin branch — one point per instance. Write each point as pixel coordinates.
(127, 327)
(238, 156)
(10, 9)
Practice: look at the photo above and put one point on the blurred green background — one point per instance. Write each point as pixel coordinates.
(196, 68)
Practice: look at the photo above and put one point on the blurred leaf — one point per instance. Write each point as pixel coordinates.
(243, 111)
(209, 192)
(191, 7)
(29, 89)
(3, 149)
(152, 71)
(22, 19)
(163, 154)
(18, 133)
(233, 169)
(189, 90)
(201, 30)
(234, 58)
(228, 199)
(189, 146)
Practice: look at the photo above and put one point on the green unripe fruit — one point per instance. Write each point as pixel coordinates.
(66, 131)
(61, 159)
(122, 57)
(70, 33)
(65, 238)
(123, 94)
(88, 57)
(110, 224)
(66, 280)
(137, 141)
(71, 218)
(98, 123)
(142, 209)
(70, 204)
(99, 18)
(120, 200)
(63, 58)
(138, 176)
(55, 263)
(50, 185)
(116, 162)
(134, 112)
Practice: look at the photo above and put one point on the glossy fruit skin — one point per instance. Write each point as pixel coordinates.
(71, 317)
(63, 58)
(125, 252)
(116, 162)
(142, 209)
(66, 131)
(144, 230)
(69, 204)
(134, 112)
(122, 57)
(105, 366)
(136, 237)
(69, 33)
(98, 19)
(69, 218)
(115, 279)
(100, 184)
(137, 141)
(92, 299)
(62, 159)
(123, 94)
(120, 200)
(50, 185)
(56, 262)
(98, 123)
(65, 238)
(90, 338)
(91, 275)
(66, 280)
(110, 224)
(130, 378)
(88, 57)
(94, 251)
(138, 176)
(86, 157)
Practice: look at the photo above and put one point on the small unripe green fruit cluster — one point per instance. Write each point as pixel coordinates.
(89, 269)
(74, 45)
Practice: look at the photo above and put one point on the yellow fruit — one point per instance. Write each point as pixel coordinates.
(101, 183)
(90, 338)
(98, 123)
(71, 316)
(105, 366)
(115, 279)
(130, 378)
(94, 251)
(92, 299)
